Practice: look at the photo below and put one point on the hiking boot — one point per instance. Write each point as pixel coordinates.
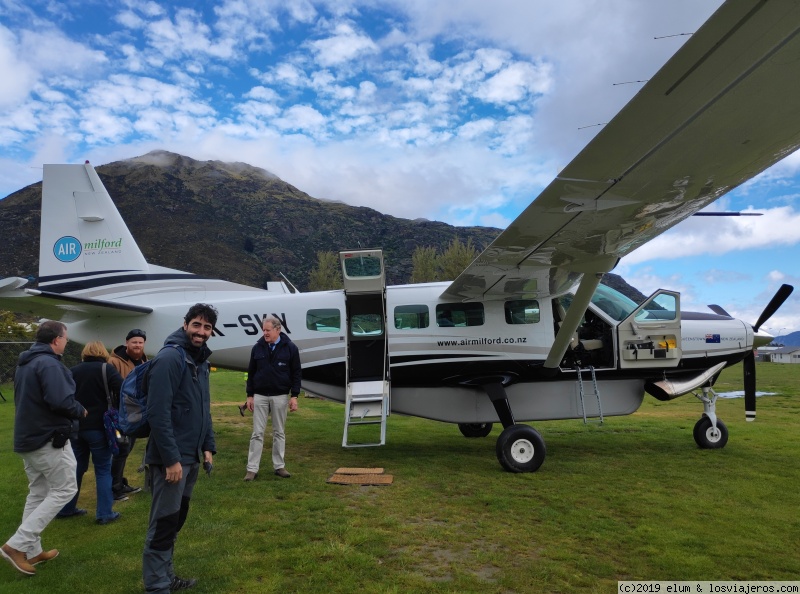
(18, 560)
(250, 476)
(178, 584)
(43, 556)
(283, 473)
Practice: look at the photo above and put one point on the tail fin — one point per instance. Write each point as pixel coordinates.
(82, 230)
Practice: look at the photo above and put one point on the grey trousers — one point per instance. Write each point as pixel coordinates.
(52, 484)
(168, 513)
(263, 407)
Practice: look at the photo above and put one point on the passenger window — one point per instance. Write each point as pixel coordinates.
(366, 324)
(459, 315)
(407, 317)
(324, 320)
(523, 311)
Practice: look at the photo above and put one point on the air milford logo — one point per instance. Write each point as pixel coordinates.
(69, 249)
(103, 244)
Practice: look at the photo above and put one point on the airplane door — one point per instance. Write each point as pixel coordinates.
(650, 337)
(367, 347)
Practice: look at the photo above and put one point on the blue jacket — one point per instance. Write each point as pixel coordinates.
(179, 404)
(44, 396)
(276, 373)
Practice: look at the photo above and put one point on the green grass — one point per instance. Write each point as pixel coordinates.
(631, 499)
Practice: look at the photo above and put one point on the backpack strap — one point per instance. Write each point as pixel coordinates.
(181, 351)
(105, 385)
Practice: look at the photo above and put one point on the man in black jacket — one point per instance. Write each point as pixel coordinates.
(125, 358)
(45, 417)
(273, 373)
(181, 439)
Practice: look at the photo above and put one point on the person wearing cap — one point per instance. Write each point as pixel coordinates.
(124, 358)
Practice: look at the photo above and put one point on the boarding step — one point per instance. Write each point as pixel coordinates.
(598, 418)
(367, 404)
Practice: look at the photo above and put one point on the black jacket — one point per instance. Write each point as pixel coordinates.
(274, 373)
(44, 397)
(179, 403)
(89, 390)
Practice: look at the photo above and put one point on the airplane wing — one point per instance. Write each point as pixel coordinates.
(719, 112)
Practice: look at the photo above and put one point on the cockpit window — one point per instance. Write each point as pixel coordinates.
(612, 302)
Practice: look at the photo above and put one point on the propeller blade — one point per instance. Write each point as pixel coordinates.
(749, 365)
(780, 296)
(717, 309)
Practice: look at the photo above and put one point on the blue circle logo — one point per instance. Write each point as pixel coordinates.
(67, 249)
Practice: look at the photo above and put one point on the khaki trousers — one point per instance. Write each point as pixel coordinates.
(264, 406)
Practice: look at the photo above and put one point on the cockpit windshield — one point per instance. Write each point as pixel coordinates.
(612, 302)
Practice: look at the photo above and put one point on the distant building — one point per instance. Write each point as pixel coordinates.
(764, 353)
(789, 354)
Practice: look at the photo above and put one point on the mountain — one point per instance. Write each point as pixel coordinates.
(236, 222)
(792, 339)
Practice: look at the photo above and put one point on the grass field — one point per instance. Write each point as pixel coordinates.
(633, 499)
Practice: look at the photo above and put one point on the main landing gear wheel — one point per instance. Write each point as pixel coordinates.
(475, 429)
(520, 448)
(709, 438)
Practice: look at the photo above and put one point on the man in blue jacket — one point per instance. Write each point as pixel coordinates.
(181, 439)
(273, 374)
(46, 415)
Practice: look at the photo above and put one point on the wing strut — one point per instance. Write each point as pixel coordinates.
(583, 296)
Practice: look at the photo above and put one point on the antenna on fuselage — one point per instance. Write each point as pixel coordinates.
(288, 282)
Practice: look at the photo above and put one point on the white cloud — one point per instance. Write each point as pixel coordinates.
(343, 46)
(100, 126)
(51, 52)
(515, 82)
(777, 226)
(19, 77)
(301, 117)
(262, 94)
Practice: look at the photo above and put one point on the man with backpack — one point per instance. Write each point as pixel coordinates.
(125, 358)
(179, 415)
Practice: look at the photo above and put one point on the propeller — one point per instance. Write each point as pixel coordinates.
(749, 362)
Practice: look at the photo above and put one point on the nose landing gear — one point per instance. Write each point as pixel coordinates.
(710, 432)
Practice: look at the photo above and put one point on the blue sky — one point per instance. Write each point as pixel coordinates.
(452, 110)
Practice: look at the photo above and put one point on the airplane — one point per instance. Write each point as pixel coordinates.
(526, 332)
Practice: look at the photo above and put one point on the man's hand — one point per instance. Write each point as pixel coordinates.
(208, 464)
(293, 404)
(250, 404)
(174, 473)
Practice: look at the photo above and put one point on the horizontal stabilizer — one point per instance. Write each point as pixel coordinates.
(45, 304)
(90, 303)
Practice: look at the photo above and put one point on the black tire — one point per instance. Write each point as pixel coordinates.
(475, 429)
(520, 448)
(707, 438)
